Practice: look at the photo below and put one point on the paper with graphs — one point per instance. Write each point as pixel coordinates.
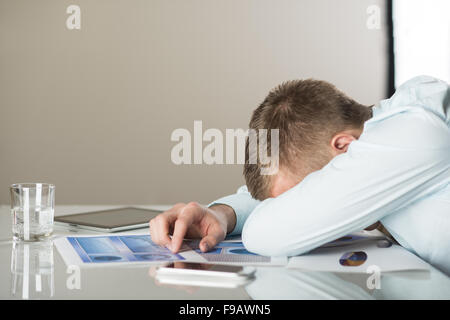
(140, 249)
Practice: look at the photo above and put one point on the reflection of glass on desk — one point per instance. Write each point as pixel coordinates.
(32, 263)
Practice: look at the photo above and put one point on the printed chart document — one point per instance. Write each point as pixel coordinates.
(140, 249)
(354, 238)
(361, 257)
(233, 252)
(355, 252)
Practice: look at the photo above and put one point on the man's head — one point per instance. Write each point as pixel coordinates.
(316, 122)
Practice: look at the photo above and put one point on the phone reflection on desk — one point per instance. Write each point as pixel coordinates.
(190, 275)
(32, 269)
(176, 264)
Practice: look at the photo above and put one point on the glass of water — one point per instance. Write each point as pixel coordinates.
(32, 209)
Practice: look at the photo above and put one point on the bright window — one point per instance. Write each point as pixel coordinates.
(421, 39)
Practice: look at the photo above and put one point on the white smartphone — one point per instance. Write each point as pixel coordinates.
(205, 274)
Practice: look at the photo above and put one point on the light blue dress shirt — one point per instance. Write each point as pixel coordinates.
(397, 172)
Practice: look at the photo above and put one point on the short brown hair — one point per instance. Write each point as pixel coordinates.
(307, 113)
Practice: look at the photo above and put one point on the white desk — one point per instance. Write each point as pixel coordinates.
(134, 282)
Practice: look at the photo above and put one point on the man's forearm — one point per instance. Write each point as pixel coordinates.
(225, 213)
(241, 204)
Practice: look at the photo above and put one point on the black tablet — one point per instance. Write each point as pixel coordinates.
(111, 220)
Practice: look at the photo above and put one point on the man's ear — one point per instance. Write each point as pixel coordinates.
(341, 141)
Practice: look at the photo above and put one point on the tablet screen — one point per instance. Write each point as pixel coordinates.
(109, 219)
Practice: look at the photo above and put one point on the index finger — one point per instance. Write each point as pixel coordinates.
(180, 230)
(189, 214)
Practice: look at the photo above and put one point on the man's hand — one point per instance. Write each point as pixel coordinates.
(192, 221)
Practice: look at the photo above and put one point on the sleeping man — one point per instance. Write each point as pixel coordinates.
(343, 167)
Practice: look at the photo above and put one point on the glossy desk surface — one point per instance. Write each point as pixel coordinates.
(52, 281)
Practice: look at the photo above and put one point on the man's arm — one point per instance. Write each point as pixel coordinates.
(393, 164)
(227, 213)
(242, 205)
(211, 224)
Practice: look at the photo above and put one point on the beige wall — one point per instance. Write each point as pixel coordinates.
(92, 110)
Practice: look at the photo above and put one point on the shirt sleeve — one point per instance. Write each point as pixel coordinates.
(402, 156)
(242, 204)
